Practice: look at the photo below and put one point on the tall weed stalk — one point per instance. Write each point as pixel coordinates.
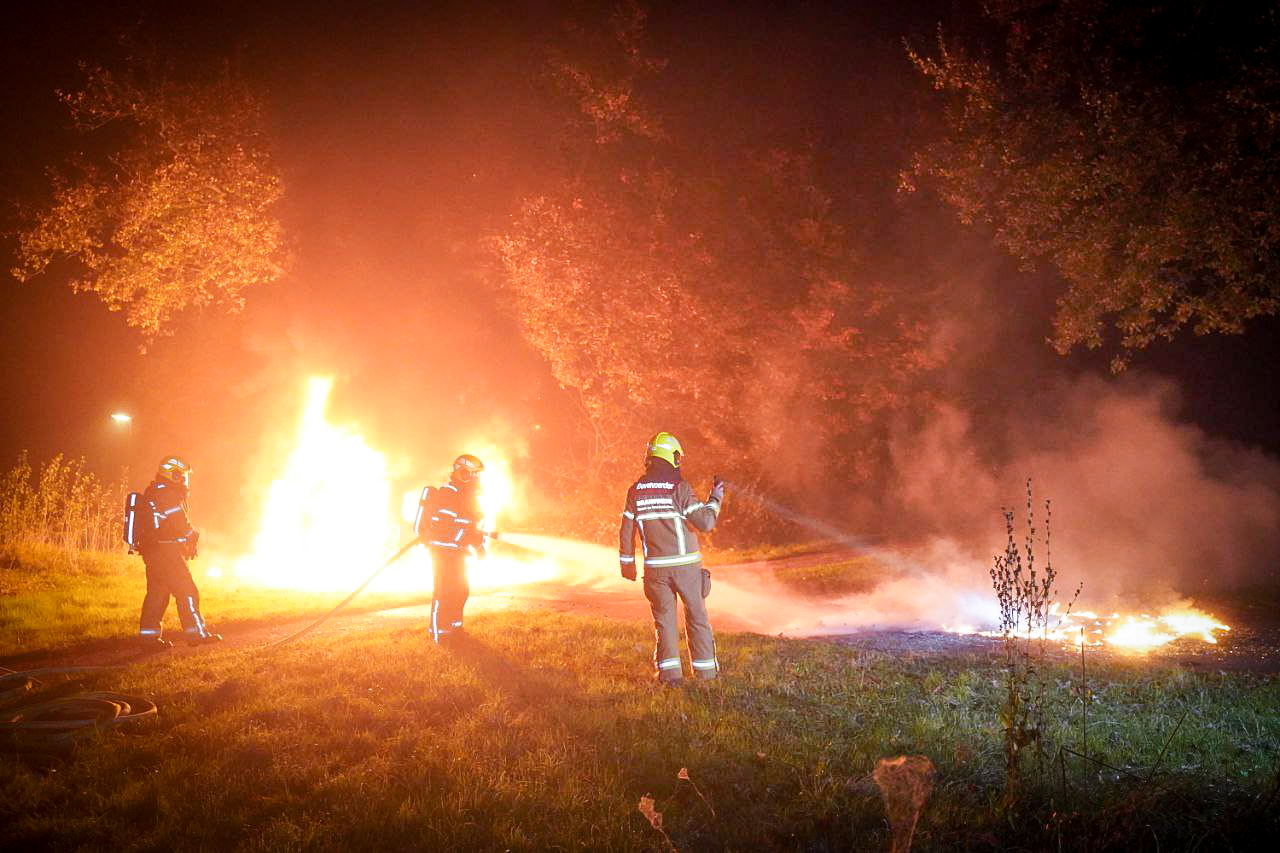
(1026, 594)
(62, 503)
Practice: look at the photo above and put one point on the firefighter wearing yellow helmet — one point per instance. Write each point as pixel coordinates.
(166, 541)
(449, 523)
(661, 509)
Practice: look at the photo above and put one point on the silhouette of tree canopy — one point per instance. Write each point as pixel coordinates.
(679, 284)
(173, 209)
(1132, 147)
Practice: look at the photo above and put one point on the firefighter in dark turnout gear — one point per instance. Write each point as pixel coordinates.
(449, 523)
(663, 511)
(167, 541)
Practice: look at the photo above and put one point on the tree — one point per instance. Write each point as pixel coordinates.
(176, 210)
(1132, 147)
(672, 281)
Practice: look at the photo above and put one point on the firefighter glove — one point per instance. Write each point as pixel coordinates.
(717, 490)
(629, 571)
(479, 550)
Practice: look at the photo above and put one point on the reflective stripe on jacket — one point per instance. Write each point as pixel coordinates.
(662, 510)
(163, 515)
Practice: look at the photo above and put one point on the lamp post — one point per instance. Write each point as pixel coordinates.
(125, 422)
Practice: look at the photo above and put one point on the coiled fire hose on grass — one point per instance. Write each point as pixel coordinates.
(55, 724)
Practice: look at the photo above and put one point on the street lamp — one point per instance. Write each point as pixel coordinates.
(124, 421)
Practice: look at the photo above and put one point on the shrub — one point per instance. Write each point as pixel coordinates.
(63, 504)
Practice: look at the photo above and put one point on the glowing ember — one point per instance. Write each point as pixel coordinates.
(1128, 632)
(1138, 633)
(1193, 622)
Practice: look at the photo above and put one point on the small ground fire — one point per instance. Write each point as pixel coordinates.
(1132, 632)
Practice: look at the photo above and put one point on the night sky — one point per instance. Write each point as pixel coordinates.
(407, 131)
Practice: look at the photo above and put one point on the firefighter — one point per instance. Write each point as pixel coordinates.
(661, 508)
(167, 541)
(449, 522)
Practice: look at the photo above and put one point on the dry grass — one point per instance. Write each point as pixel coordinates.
(726, 556)
(544, 731)
(63, 504)
(843, 577)
(51, 598)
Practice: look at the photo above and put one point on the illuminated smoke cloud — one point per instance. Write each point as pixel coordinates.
(1142, 503)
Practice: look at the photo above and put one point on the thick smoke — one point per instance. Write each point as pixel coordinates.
(1142, 503)
(749, 597)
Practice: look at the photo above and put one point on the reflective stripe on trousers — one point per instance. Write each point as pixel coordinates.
(167, 575)
(663, 586)
(450, 591)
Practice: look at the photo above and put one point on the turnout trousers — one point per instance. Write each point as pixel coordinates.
(449, 590)
(663, 585)
(168, 575)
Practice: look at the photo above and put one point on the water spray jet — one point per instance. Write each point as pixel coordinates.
(825, 529)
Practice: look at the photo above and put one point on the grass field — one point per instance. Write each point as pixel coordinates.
(50, 599)
(846, 576)
(842, 577)
(544, 730)
(723, 556)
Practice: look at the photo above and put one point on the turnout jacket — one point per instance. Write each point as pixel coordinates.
(164, 517)
(661, 508)
(449, 517)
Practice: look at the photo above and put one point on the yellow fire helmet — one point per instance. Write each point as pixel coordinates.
(465, 468)
(176, 470)
(665, 446)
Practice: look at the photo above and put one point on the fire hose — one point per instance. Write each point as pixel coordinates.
(396, 556)
(54, 725)
(296, 634)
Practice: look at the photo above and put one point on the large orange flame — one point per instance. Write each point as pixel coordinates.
(329, 521)
(325, 523)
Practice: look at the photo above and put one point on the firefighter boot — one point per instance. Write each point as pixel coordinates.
(203, 639)
(153, 644)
